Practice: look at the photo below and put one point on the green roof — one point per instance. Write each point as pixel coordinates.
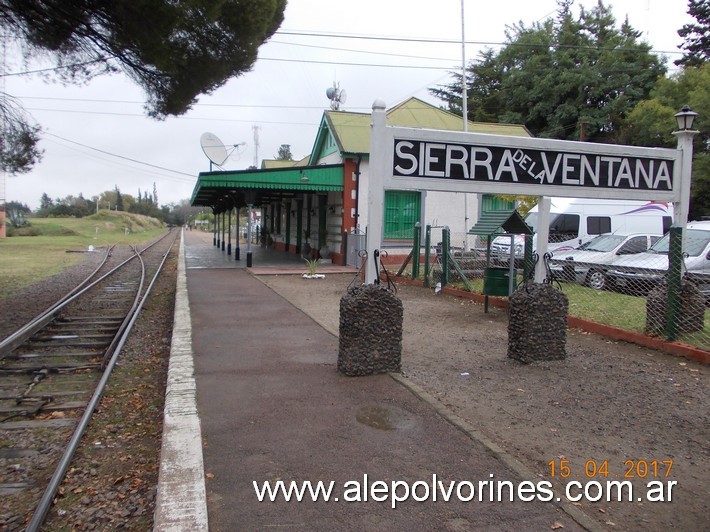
(351, 131)
(212, 187)
(491, 222)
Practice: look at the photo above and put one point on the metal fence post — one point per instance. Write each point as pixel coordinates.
(427, 252)
(416, 246)
(445, 245)
(344, 249)
(528, 257)
(675, 267)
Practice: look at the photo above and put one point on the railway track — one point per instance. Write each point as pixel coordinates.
(53, 371)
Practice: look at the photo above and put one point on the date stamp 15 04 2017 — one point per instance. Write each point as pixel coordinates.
(631, 469)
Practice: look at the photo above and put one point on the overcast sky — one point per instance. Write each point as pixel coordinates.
(96, 136)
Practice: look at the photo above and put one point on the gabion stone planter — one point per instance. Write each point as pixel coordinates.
(537, 324)
(691, 317)
(370, 331)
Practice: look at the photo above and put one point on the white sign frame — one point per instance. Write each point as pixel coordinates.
(382, 168)
(559, 156)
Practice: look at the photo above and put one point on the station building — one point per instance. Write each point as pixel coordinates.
(320, 202)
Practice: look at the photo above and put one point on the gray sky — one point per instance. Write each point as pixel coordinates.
(97, 135)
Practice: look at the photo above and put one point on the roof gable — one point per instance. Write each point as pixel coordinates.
(351, 131)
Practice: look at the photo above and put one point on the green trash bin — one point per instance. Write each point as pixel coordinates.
(496, 281)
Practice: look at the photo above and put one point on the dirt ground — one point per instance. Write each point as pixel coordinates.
(610, 411)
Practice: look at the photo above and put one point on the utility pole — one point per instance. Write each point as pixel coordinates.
(256, 129)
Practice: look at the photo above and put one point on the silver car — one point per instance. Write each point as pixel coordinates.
(640, 273)
(588, 263)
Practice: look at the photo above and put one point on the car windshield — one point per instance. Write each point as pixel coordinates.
(603, 243)
(695, 242)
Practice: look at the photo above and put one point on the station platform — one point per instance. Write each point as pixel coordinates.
(254, 396)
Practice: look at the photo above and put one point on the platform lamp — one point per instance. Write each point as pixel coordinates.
(685, 120)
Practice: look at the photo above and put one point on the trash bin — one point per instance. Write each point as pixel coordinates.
(496, 281)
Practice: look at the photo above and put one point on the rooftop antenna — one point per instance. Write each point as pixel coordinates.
(336, 96)
(215, 150)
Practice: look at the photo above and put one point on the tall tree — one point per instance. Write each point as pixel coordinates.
(556, 75)
(174, 49)
(696, 35)
(45, 202)
(284, 153)
(119, 200)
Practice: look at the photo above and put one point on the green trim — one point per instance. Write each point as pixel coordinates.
(211, 186)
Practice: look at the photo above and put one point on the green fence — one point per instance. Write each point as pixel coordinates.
(663, 292)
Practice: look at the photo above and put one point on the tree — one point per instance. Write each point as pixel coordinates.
(45, 202)
(284, 153)
(696, 35)
(119, 200)
(175, 50)
(18, 149)
(556, 75)
(651, 123)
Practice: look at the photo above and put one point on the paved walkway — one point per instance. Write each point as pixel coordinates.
(272, 407)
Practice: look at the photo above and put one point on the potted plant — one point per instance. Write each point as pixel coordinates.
(312, 270)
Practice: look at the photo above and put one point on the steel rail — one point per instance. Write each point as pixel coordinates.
(39, 321)
(27, 330)
(46, 502)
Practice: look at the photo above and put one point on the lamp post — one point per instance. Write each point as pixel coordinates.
(685, 120)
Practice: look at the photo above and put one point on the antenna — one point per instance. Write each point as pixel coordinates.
(215, 149)
(336, 96)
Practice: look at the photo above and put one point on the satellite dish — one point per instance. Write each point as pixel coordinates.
(214, 148)
(330, 92)
(343, 96)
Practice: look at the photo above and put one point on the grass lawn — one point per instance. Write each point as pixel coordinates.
(611, 308)
(27, 259)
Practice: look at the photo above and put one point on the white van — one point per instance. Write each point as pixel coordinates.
(574, 221)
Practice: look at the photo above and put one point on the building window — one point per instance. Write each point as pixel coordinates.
(402, 211)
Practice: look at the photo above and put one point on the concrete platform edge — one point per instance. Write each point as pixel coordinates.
(181, 501)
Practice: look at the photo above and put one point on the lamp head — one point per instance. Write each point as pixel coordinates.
(685, 119)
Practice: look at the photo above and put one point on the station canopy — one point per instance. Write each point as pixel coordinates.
(225, 190)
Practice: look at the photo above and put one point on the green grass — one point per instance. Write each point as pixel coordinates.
(610, 308)
(43, 252)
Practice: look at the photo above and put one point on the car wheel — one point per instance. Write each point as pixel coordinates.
(596, 279)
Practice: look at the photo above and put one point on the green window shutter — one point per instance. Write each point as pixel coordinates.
(491, 202)
(402, 210)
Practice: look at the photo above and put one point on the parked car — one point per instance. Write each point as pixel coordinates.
(574, 221)
(588, 263)
(641, 272)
